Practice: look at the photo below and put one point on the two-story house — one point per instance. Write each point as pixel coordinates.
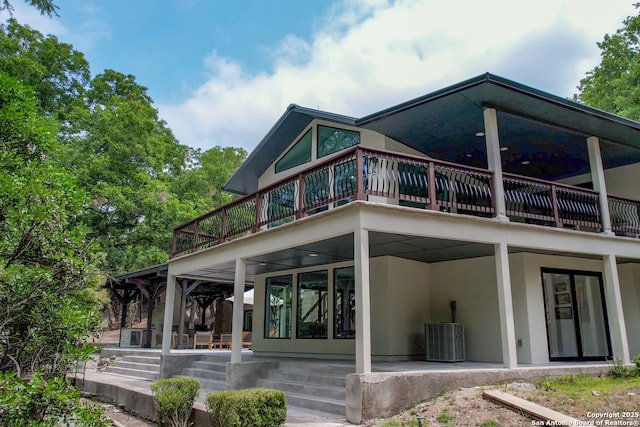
(491, 205)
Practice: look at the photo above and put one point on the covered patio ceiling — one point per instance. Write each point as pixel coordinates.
(340, 249)
(542, 135)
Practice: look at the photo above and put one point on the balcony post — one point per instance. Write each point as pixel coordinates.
(256, 226)
(301, 190)
(554, 206)
(359, 176)
(431, 185)
(196, 235)
(494, 161)
(597, 177)
(174, 243)
(223, 225)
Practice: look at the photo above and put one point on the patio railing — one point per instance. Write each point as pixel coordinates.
(370, 174)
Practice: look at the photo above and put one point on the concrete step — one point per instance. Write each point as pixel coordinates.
(206, 386)
(304, 388)
(210, 366)
(150, 360)
(211, 387)
(205, 374)
(317, 367)
(134, 373)
(136, 365)
(308, 377)
(321, 404)
(119, 352)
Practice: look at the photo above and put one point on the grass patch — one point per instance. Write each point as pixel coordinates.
(577, 395)
(445, 417)
(392, 423)
(489, 423)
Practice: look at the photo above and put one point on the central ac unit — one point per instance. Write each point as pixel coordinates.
(444, 342)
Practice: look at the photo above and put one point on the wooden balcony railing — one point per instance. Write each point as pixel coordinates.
(378, 175)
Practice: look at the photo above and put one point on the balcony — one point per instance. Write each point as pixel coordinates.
(369, 174)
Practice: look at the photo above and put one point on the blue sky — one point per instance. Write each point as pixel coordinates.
(222, 72)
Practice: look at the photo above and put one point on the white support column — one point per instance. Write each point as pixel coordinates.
(599, 185)
(494, 160)
(505, 307)
(170, 297)
(238, 311)
(183, 311)
(363, 307)
(617, 328)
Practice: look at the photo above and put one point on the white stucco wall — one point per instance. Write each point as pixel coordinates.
(472, 284)
(399, 306)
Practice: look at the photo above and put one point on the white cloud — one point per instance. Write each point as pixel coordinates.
(367, 56)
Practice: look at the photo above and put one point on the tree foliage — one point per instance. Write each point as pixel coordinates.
(48, 280)
(614, 85)
(58, 73)
(141, 181)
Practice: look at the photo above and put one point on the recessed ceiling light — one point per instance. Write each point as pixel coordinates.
(313, 254)
(469, 155)
(263, 263)
(479, 133)
(525, 162)
(504, 148)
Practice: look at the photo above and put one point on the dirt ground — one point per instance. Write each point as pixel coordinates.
(463, 407)
(124, 418)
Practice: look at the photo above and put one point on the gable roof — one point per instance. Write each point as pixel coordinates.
(275, 142)
(546, 130)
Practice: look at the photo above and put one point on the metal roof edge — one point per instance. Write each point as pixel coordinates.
(507, 84)
(474, 81)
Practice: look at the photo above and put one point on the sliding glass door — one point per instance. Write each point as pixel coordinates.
(576, 316)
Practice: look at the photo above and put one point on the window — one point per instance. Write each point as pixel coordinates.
(345, 303)
(278, 307)
(331, 140)
(312, 304)
(298, 154)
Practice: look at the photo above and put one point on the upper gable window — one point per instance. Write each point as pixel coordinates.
(331, 140)
(298, 154)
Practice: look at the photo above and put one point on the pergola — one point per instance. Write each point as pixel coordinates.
(150, 283)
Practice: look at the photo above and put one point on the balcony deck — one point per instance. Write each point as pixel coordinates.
(376, 175)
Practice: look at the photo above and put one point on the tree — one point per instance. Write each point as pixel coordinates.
(142, 182)
(126, 157)
(614, 85)
(45, 7)
(58, 73)
(48, 279)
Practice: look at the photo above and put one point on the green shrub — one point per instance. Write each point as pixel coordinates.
(44, 402)
(619, 370)
(254, 407)
(173, 398)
